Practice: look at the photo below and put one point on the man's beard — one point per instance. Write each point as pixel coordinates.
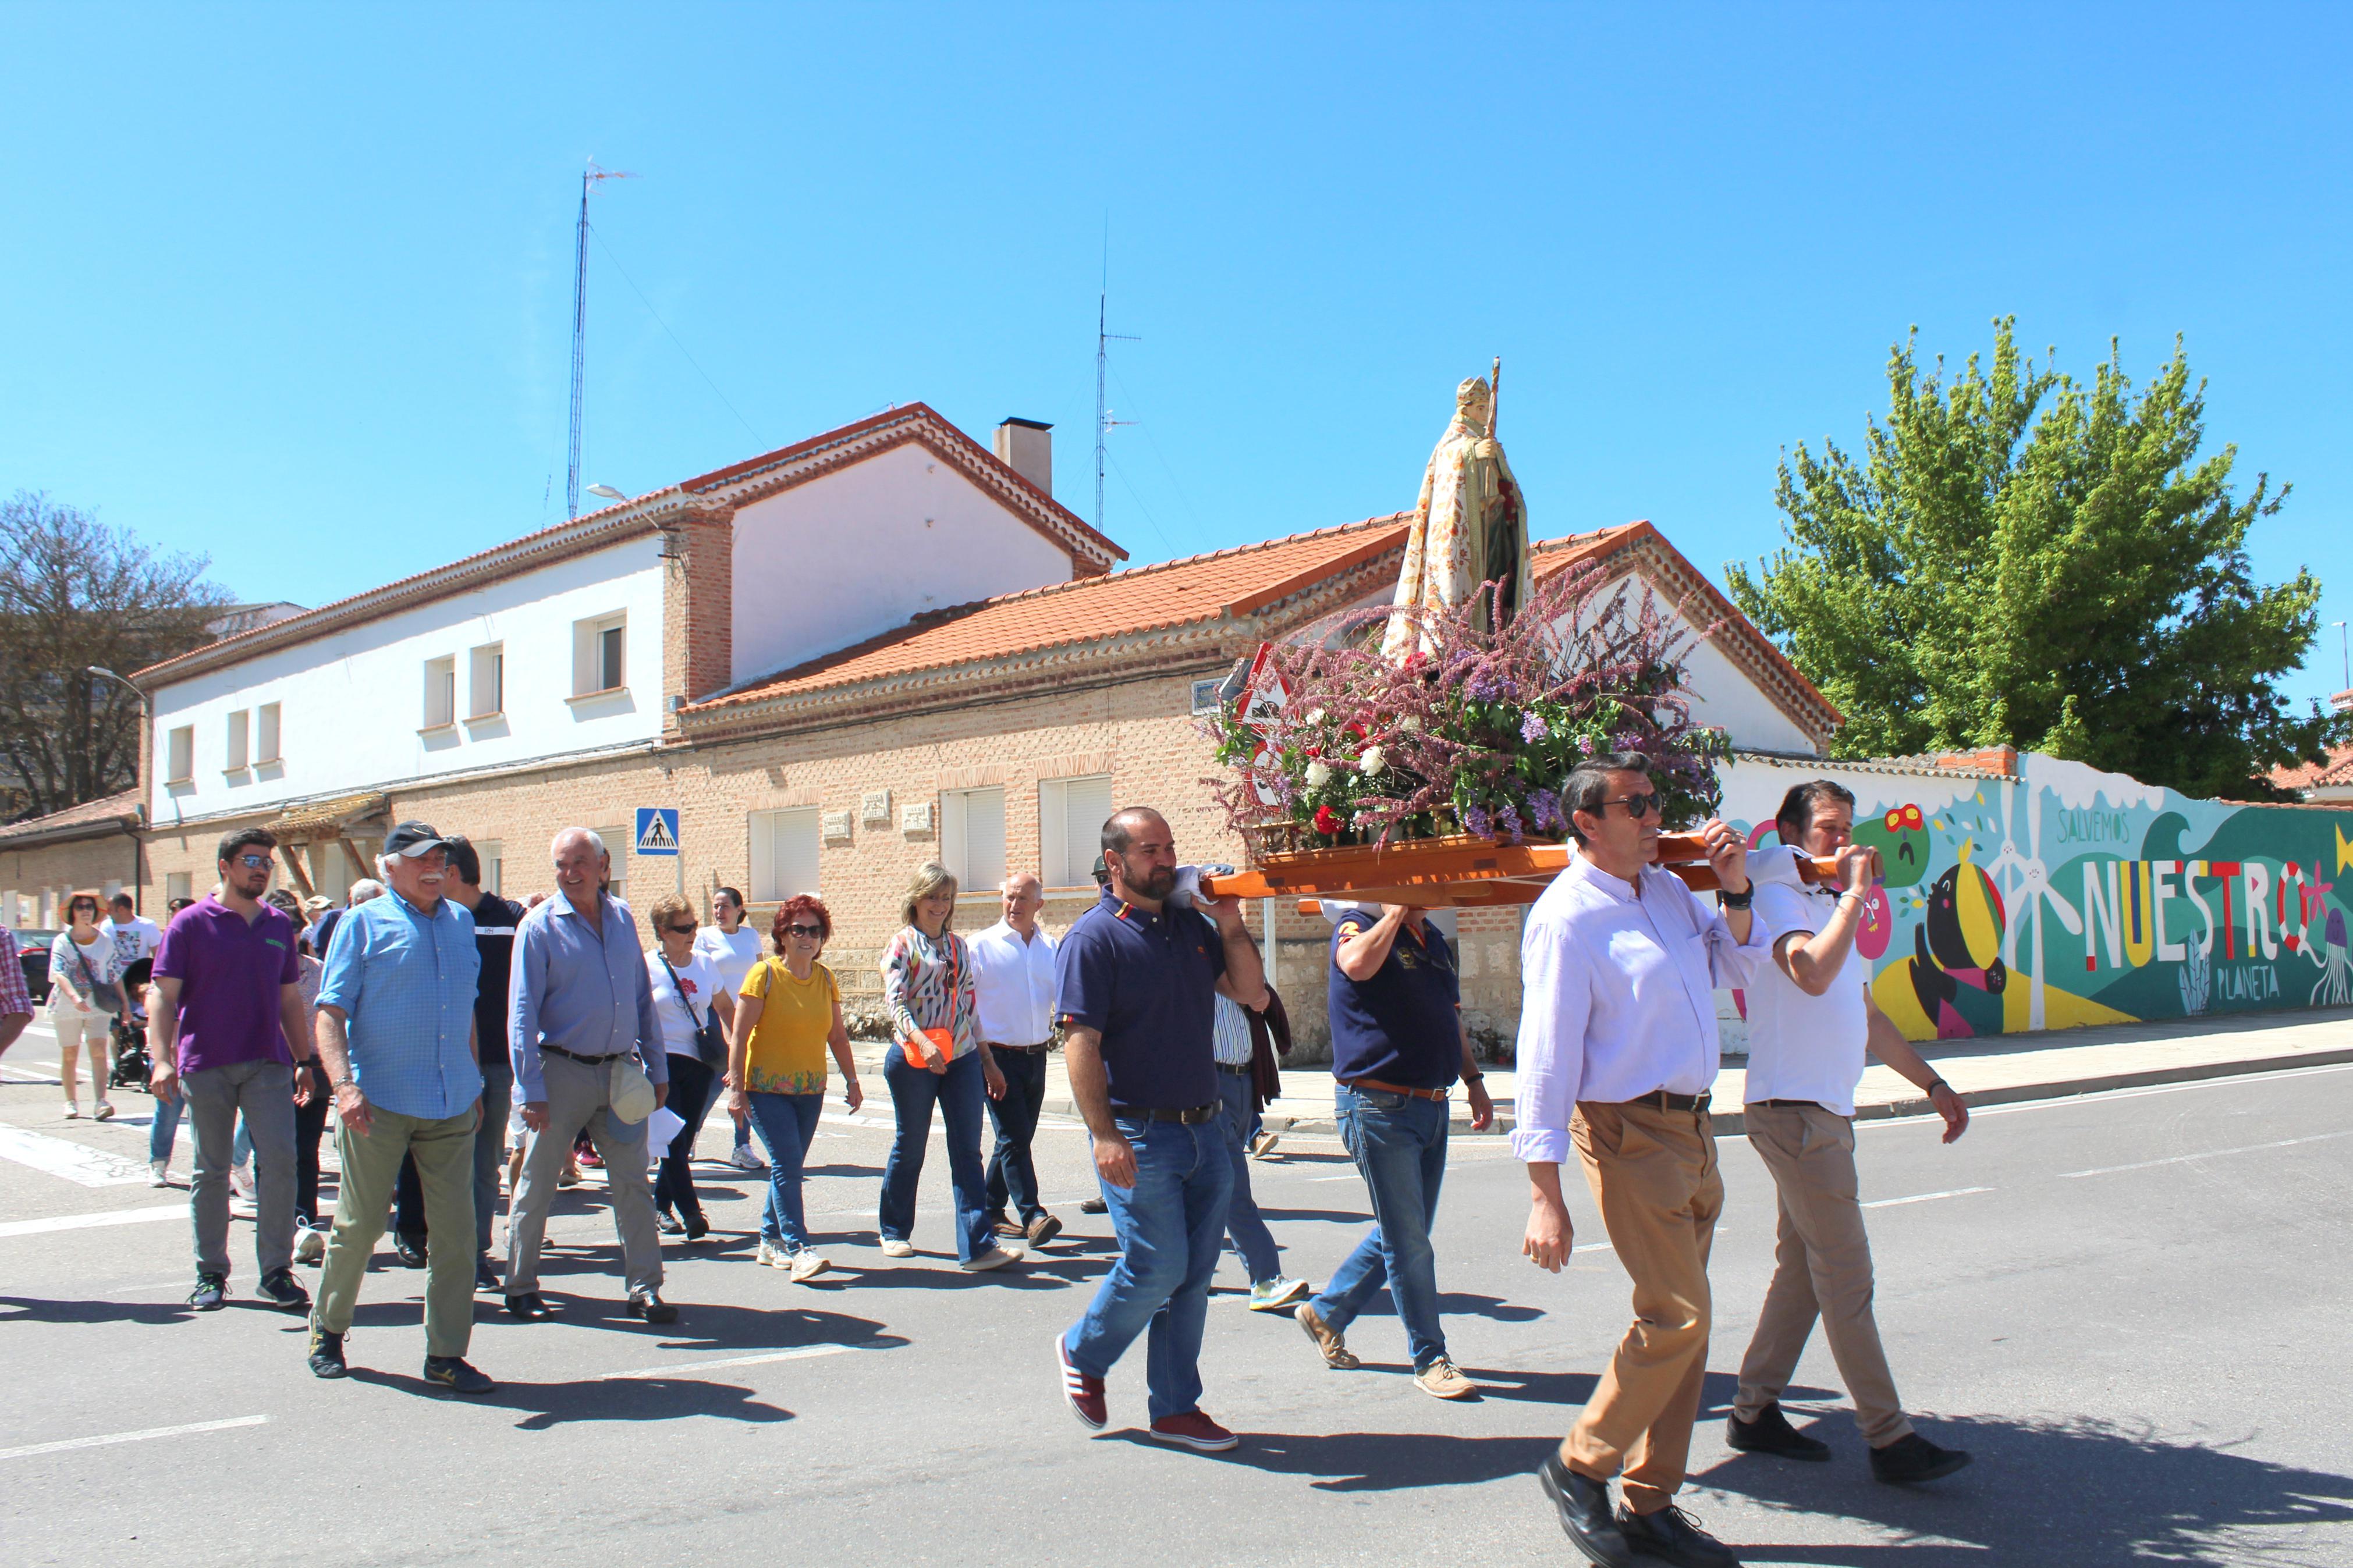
(1157, 883)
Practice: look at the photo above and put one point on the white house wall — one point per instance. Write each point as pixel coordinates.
(862, 549)
(352, 702)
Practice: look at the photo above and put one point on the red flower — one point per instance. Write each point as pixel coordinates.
(1326, 820)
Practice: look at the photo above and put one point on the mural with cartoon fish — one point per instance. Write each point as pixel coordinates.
(2066, 896)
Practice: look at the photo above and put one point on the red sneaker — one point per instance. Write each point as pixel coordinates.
(1192, 1430)
(1085, 1393)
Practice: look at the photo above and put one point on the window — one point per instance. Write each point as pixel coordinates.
(598, 654)
(176, 885)
(180, 753)
(616, 849)
(784, 854)
(972, 836)
(1071, 815)
(265, 737)
(486, 685)
(240, 724)
(492, 854)
(441, 692)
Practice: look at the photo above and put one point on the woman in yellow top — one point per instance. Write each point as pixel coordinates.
(787, 1013)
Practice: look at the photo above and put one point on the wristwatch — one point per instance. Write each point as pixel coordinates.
(1739, 901)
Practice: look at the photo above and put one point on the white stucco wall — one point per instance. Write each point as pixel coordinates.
(845, 557)
(352, 702)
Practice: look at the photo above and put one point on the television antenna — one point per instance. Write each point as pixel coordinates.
(1104, 340)
(590, 177)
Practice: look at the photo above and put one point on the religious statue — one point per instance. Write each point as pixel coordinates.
(1470, 526)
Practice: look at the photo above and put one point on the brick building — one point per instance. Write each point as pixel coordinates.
(93, 847)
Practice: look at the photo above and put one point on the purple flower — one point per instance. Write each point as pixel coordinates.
(1585, 745)
(1482, 686)
(1477, 821)
(1543, 809)
(1509, 819)
(1532, 727)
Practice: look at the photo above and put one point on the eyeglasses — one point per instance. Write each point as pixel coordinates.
(1637, 806)
(811, 933)
(253, 862)
(686, 930)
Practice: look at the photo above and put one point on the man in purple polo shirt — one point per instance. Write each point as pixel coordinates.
(225, 1027)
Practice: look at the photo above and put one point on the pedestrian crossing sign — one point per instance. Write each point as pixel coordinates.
(657, 830)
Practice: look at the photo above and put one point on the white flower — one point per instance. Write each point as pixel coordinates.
(1319, 773)
(1316, 716)
(1372, 761)
(1411, 725)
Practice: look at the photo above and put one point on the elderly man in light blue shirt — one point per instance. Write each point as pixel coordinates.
(580, 1004)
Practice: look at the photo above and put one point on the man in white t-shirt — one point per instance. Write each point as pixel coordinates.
(138, 940)
(1810, 1019)
(733, 948)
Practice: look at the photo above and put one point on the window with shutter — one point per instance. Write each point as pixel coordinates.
(1071, 815)
(784, 853)
(972, 837)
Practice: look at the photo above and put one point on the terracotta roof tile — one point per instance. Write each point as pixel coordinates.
(2336, 768)
(104, 813)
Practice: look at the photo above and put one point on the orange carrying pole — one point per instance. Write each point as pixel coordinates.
(1442, 873)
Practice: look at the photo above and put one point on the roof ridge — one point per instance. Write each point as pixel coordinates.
(1126, 574)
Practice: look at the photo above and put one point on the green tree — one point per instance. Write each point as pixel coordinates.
(2021, 560)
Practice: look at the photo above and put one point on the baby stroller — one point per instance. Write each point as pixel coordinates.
(129, 1032)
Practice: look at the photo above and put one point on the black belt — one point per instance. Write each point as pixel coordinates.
(1243, 1071)
(1667, 1099)
(1794, 1104)
(1001, 1046)
(577, 1057)
(1190, 1115)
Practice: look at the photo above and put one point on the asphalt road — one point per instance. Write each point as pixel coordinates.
(2133, 1309)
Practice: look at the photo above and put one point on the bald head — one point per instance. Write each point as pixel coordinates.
(1024, 896)
(581, 866)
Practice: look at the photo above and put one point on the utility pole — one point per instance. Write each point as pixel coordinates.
(588, 177)
(1104, 421)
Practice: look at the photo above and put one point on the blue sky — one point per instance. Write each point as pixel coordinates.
(290, 286)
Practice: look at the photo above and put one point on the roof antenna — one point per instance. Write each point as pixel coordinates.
(588, 177)
(1104, 421)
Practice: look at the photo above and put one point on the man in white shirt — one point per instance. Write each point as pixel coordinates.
(1013, 988)
(1810, 1019)
(733, 948)
(1618, 1049)
(138, 940)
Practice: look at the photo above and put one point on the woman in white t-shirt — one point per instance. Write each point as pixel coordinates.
(686, 988)
(84, 961)
(734, 947)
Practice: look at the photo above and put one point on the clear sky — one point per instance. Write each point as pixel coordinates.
(290, 286)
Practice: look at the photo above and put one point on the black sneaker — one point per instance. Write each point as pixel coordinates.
(669, 1224)
(452, 1373)
(1094, 1206)
(1913, 1458)
(411, 1249)
(327, 1354)
(1584, 1508)
(648, 1305)
(1771, 1433)
(486, 1273)
(211, 1292)
(529, 1307)
(1670, 1535)
(282, 1291)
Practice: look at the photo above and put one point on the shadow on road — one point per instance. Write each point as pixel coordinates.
(551, 1405)
(31, 1310)
(1382, 1461)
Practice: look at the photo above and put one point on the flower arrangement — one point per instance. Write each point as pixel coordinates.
(1476, 733)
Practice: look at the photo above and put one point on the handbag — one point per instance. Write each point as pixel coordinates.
(104, 994)
(709, 1038)
(942, 1039)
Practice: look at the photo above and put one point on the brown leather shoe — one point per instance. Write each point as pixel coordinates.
(1335, 1351)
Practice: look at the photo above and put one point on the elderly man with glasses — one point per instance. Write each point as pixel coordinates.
(1618, 1049)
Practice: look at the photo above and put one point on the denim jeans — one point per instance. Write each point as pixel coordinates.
(163, 1127)
(1253, 1244)
(1012, 1175)
(1170, 1225)
(1400, 1144)
(959, 1093)
(692, 1087)
(490, 1163)
(786, 1122)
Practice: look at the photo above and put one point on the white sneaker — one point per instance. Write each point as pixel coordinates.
(159, 1172)
(771, 1255)
(103, 1111)
(895, 1247)
(806, 1265)
(240, 1181)
(744, 1159)
(309, 1247)
(995, 1257)
(73, 1111)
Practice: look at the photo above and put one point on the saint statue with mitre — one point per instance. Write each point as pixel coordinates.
(1469, 528)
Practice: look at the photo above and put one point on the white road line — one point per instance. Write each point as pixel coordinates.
(2208, 1155)
(178, 1211)
(1923, 1197)
(1595, 1246)
(689, 1368)
(74, 1162)
(2060, 1103)
(30, 1449)
(1351, 1177)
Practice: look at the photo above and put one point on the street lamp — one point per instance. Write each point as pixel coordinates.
(608, 491)
(138, 844)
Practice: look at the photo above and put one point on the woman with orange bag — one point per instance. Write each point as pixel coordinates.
(936, 1055)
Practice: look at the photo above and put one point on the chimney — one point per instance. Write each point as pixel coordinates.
(1026, 448)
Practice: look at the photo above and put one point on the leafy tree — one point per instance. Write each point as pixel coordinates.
(2022, 560)
(74, 593)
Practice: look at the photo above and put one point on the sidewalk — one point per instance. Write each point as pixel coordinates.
(1996, 1071)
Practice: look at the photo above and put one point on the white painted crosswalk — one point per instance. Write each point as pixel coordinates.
(76, 1163)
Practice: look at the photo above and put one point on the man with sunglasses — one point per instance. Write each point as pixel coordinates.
(1618, 1049)
(225, 1027)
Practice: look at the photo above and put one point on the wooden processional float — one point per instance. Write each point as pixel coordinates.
(1462, 872)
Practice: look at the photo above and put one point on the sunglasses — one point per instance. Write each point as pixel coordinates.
(1637, 806)
(253, 862)
(812, 933)
(686, 930)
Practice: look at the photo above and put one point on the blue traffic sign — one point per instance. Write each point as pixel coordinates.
(657, 830)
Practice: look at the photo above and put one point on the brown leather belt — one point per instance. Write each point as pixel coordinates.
(1794, 1104)
(1378, 1086)
(1190, 1115)
(1666, 1100)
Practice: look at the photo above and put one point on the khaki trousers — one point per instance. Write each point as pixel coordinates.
(1821, 1266)
(444, 1149)
(578, 1096)
(1654, 1177)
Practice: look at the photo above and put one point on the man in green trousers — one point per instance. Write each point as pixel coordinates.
(396, 1031)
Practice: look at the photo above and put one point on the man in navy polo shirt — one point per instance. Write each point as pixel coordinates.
(1136, 976)
(1398, 1046)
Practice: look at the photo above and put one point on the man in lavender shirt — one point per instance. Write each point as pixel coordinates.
(225, 1025)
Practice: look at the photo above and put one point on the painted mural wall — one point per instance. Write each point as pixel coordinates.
(2073, 897)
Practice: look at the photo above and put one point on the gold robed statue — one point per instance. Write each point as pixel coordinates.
(1470, 527)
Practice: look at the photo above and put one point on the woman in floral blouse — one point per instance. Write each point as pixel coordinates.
(936, 1055)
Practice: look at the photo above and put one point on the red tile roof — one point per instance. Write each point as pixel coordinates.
(2337, 768)
(88, 820)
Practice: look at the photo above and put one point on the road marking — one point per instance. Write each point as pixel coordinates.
(1923, 1197)
(30, 1449)
(2228, 1080)
(74, 1162)
(31, 1073)
(687, 1368)
(2208, 1155)
(88, 1221)
(1351, 1177)
(1596, 1246)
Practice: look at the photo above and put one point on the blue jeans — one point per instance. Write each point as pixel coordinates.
(958, 1092)
(1012, 1174)
(1253, 1242)
(786, 1122)
(1399, 1145)
(163, 1127)
(1170, 1225)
